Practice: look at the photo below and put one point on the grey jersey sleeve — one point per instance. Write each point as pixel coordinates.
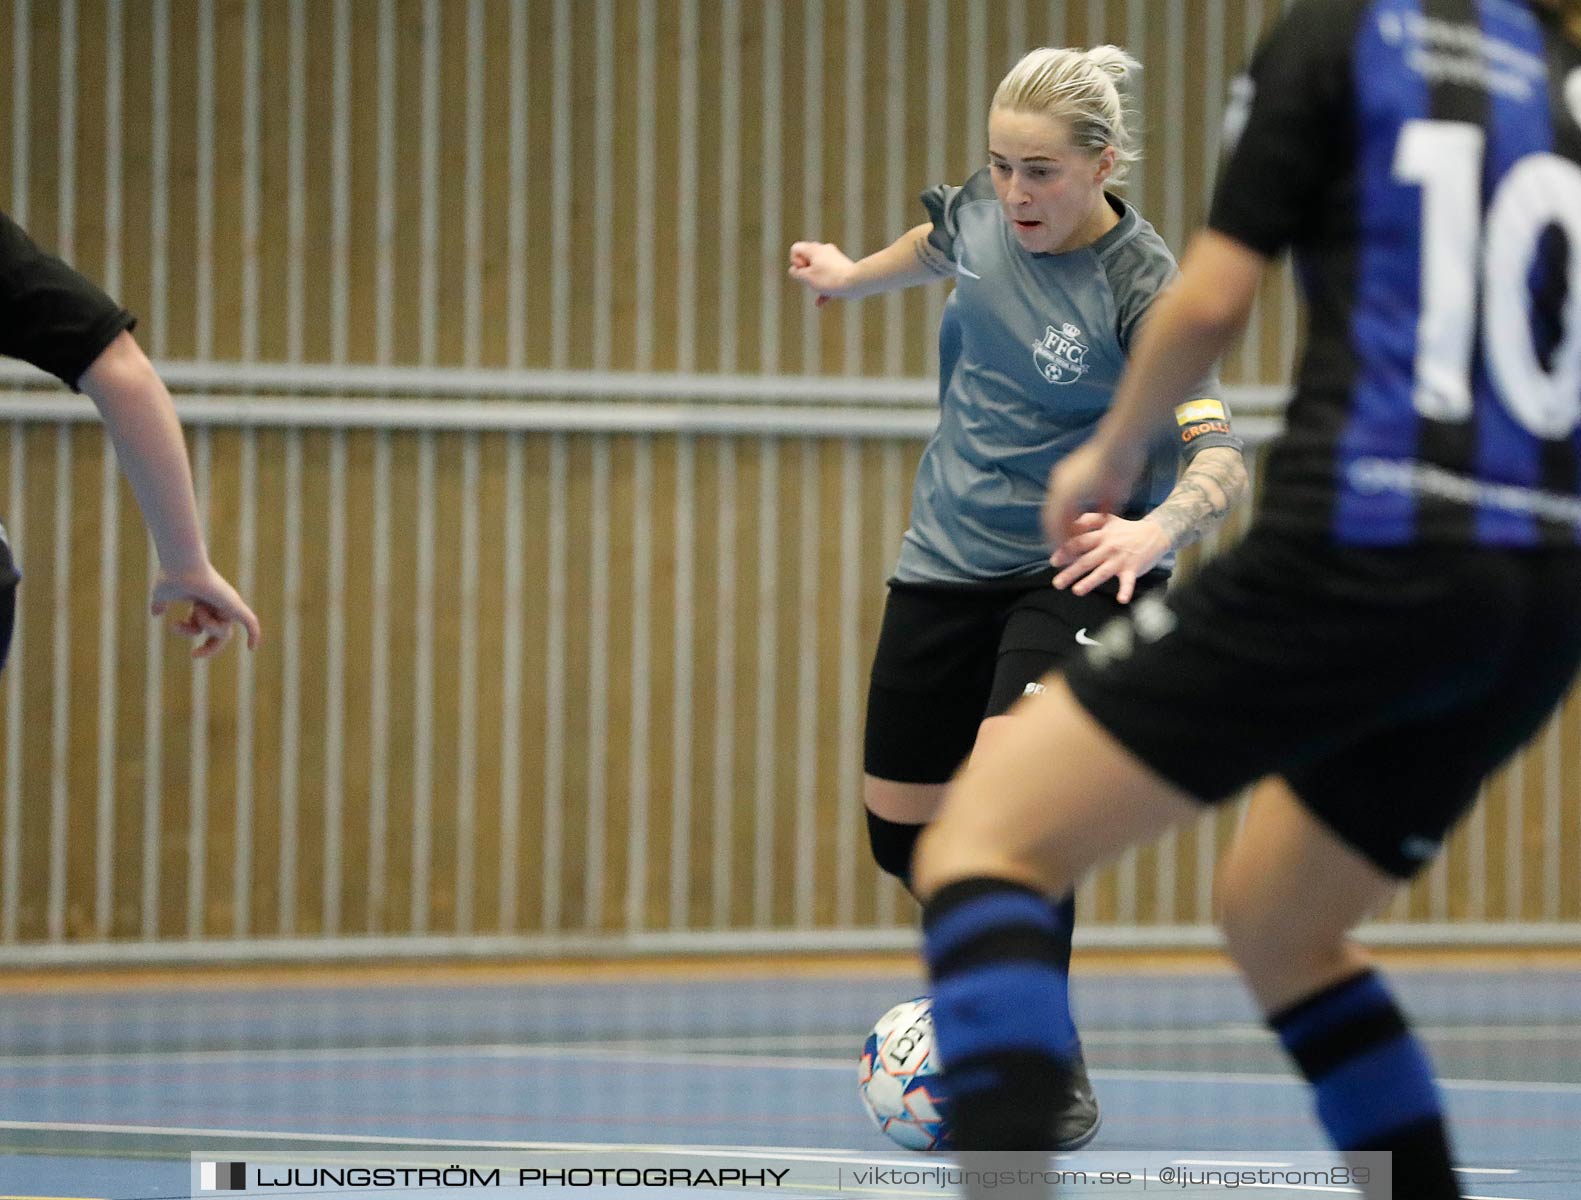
(944, 202)
(1141, 271)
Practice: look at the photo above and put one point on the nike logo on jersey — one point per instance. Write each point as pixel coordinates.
(1083, 640)
(966, 271)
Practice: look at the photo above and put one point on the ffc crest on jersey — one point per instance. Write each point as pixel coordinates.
(1061, 356)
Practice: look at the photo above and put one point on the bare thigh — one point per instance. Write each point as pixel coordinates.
(1290, 893)
(1049, 796)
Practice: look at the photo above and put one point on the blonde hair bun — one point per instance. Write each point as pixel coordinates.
(1084, 89)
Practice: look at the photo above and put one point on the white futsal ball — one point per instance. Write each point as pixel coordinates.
(898, 1077)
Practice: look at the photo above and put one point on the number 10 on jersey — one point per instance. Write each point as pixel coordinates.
(1445, 158)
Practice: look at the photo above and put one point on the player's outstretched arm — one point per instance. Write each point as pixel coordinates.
(142, 423)
(909, 260)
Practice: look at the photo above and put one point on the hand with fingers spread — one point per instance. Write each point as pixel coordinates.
(1103, 546)
(1096, 478)
(823, 267)
(214, 607)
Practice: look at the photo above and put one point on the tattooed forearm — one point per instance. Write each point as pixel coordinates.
(932, 258)
(1206, 491)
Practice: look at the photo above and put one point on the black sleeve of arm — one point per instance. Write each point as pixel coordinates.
(50, 315)
(1203, 422)
(1288, 126)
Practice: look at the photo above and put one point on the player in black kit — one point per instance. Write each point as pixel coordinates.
(55, 319)
(1422, 161)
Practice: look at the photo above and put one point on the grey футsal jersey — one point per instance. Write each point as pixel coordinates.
(1030, 350)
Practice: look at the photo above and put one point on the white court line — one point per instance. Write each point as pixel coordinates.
(691, 1049)
(1221, 1034)
(1259, 1033)
(1227, 1034)
(1228, 1162)
(771, 1153)
(601, 1052)
(1504, 1033)
(1299, 1187)
(1462, 1085)
(640, 1051)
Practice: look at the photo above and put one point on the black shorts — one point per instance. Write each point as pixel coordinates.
(1382, 684)
(950, 655)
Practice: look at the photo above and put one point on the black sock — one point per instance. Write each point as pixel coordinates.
(1373, 1083)
(1064, 910)
(996, 955)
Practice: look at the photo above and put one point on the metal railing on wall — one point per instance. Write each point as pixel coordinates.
(572, 661)
(404, 181)
(541, 678)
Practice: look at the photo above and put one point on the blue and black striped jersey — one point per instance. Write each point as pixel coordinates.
(1422, 161)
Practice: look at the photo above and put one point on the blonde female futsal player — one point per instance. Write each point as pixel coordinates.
(1053, 277)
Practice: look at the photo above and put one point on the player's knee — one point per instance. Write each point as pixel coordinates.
(893, 845)
(1248, 931)
(1254, 931)
(1267, 940)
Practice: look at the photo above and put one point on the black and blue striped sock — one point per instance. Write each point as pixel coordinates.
(995, 955)
(1374, 1084)
(1065, 922)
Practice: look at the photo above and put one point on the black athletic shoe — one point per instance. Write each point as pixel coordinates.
(1077, 1120)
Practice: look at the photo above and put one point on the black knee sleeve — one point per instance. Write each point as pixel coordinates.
(893, 845)
(7, 618)
(9, 577)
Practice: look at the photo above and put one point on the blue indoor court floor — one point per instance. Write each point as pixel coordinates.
(108, 1084)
